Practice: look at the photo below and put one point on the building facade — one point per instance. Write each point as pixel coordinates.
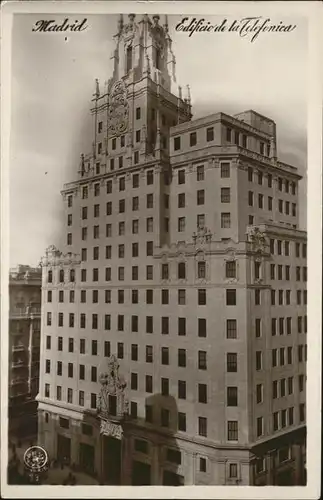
(173, 346)
(24, 348)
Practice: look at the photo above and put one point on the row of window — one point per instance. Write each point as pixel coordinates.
(164, 414)
(261, 198)
(279, 268)
(209, 136)
(231, 358)
(284, 418)
(284, 355)
(288, 295)
(290, 186)
(284, 387)
(284, 325)
(277, 246)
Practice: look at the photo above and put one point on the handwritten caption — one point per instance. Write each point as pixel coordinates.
(51, 26)
(250, 27)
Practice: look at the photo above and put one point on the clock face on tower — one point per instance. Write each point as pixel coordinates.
(36, 458)
(118, 109)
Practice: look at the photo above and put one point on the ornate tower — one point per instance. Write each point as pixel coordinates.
(139, 103)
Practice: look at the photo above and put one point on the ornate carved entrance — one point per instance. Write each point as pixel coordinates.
(113, 409)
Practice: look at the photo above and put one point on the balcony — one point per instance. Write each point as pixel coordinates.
(18, 380)
(18, 348)
(25, 312)
(20, 363)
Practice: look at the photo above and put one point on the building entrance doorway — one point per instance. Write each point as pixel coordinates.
(140, 474)
(63, 449)
(111, 460)
(87, 458)
(172, 479)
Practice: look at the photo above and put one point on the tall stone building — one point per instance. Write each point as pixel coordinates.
(174, 322)
(24, 349)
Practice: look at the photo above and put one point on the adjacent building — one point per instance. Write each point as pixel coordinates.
(173, 346)
(24, 349)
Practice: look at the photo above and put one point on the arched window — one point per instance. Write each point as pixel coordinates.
(129, 58)
(50, 277)
(181, 271)
(61, 276)
(72, 275)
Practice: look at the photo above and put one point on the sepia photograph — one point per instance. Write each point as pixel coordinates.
(155, 328)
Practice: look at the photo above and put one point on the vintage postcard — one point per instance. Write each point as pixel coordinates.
(161, 249)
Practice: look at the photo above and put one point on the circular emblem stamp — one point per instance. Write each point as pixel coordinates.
(36, 459)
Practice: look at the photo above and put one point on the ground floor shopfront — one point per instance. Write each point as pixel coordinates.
(130, 453)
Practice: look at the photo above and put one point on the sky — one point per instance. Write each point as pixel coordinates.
(53, 78)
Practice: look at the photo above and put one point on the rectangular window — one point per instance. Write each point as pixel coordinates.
(149, 384)
(202, 363)
(232, 430)
(177, 143)
(202, 426)
(181, 224)
(225, 195)
(225, 220)
(200, 197)
(231, 298)
(209, 134)
(193, 139)
(181, 389)
(164, 355)
(201, 327)
(120, 350)
(149, 324)
(201, 296)
(165, 297)
(202, 393)
(232, 362)
(164, 325)
(182, 357)
(232, 396)
(200, 173)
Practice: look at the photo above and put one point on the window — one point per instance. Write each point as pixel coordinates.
(259, 393)
(134, 323)
(96, 230)
(138, 110)
(225, 220)
(181, 177)
(135, 180)
(164, 417)
(85, 192)
(200, 220)
(82, 346)
(120, 350)
(181, 423)
(70, 370)
(260, 176)
(181, 389)
(193, 139)
(135, 226)
(257, 297)
(232, 430)
(231, 328)
(70, 200)
(230, 269)
(164, 355)
(149, 273)
(60, 319)
(201, 297)
(181, 200)
(225, 195)
(200, 197)
(137, 135)
(289, 355)
(258, 327)
(228, 134)
(260, 425)
(177, 143)
(134, 296)
(165, 386)
(181, 224)
(121, 273)
(260, 201)
(232, 363)
(232, 396)
(182, 357)
(202, 363)
(233, 470)
(165, 325)
(82, 372)
(135, 273)
(149, 224)
(202, 426)
(149, 324)
(164, 296)
(149, 354)
(209, 134)
(274, 357)
(202, 393)
(47, 366)
(134, 381)
(120, 323)
(231, 297)
(200, 173)
(258, 360)
(164, 272)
